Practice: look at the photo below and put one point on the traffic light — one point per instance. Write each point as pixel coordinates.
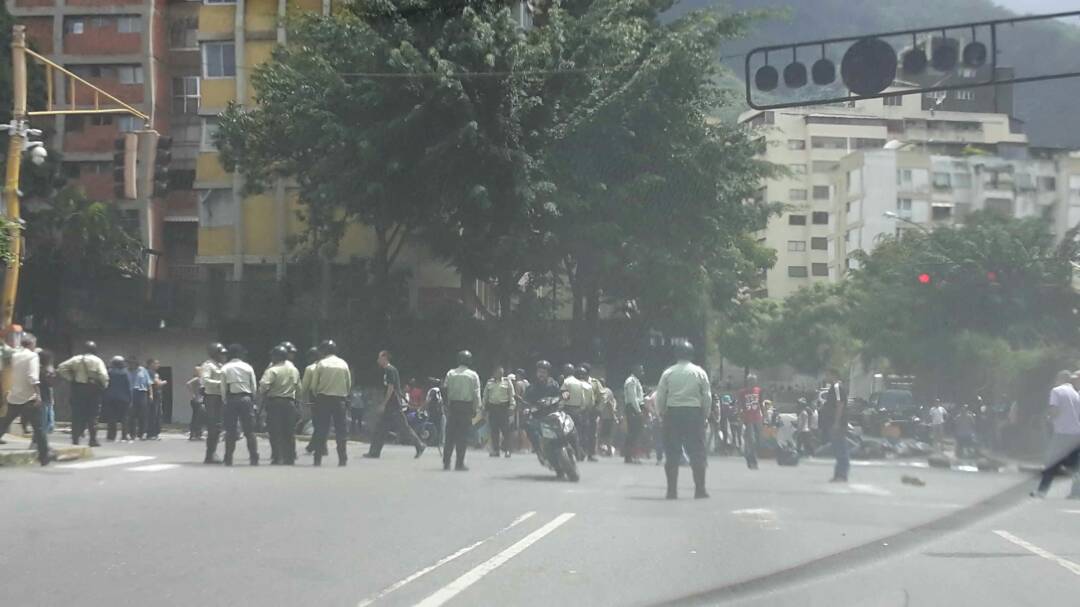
(162, 159)
(925, 278)
(125, 154)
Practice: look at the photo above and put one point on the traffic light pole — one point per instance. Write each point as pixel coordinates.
(11, 180)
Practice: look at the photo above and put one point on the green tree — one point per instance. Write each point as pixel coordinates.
(746, 334)
(812, 333)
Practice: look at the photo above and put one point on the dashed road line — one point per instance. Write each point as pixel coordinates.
(475, 574)
(153, 468)
(1026, 545)
(762, 517)
(400, 583)
(122, 460)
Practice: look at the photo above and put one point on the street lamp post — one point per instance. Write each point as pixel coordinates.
(897, 217)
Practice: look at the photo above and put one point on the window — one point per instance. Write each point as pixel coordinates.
(847, 207)
(867, 143)
(796, 144)
(903, 177)
(796, 271)
(965, 95)
(1047, 184)
(209, 129)
(942, 181)
(819, 243)
(824, 166)
(185, 95)
(903, 207)
(820, 218)
(796, 245)
(74, 123)
(828, 143)
(936, 94)
(74, 26)
(796, 220)
(968, 72)
(1002, 206)
(130, 74)
(961, 180)
(893, 100)
(819, 269)
(821, 192)
(92, 71)
(216, 208)
(220, 1)
(797, 169)
(129, 24)
(939, 213)
(181, 179)
(100, 120)
(797, 194)
(183, 33)
(219, 60)
(127, 124)
(100, 22)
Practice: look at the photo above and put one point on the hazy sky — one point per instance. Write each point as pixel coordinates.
(1040, 6)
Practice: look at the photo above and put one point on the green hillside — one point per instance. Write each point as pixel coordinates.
(1049, 108)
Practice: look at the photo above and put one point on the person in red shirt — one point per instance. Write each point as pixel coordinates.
(416, 394)
(749, 399)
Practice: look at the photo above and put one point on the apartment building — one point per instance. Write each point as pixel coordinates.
(810, 143)
(125, 47)
(932, 190)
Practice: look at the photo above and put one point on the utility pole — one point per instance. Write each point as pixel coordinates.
(16, 138)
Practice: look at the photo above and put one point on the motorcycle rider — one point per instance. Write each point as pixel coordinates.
(544, 387)
(683, 398)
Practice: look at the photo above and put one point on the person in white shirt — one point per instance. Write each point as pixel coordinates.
(238, 384)
(937, 424)
(1064, 447)
(24, 396)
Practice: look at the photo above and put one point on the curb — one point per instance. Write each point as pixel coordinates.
(28, 457)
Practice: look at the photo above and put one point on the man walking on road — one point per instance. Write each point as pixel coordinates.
(633, 399)
(327, 384)
(393, 412)
(88, 378)
(937, 424)
(498, 403)
(836, 400)
(683, 398)
(462, 390)
(1064, 448)
(753, 419)
(277, 389)
(154, 402)
(238, 384)
(213, 399)
(24, 395)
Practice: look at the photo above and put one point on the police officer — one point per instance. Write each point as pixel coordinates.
(462, 389)
(329, 382)
(277, 389)
(592, 411)
(393, 414)
(307, 400)
(89, 378)
(499, 396)
(633, 400)
(238, 384)
(213, 399)
(683, 398)
(579, 398)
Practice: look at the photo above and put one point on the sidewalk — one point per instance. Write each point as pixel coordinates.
(17, 451)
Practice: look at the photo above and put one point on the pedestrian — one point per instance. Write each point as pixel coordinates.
(1064, 447)
(198, 411)
(416, 394)
(965, 432)
(753, 420)
(579, 399)
(609, 418)
(714, 439)
(434, 405)
(89, 378)
(48, 380)
(277, 392)
(937, 424)
(140, 398)
(499, 404)
(238, 384)
(804, 436)
(327, 384)
(117, 400)
(393, 411)
(24, 394)
(213, 398)
(591, 410)
(836, 399)
(462, 391)
(155, 400)
(633, 401)
(683, 398)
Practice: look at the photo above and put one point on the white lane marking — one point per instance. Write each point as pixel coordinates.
(1026, 545)
(762, 517)
(443, 561)
(474, 575)
(153, 468)
(109, 461)
(1071, 511)
(858, 488)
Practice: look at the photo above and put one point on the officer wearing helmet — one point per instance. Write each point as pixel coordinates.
(213, 398)
(307, 399)
(277, 390)
(393, 411)
(329, 386)
(579, 400)
(683, 399)
(89, 378)
(462, 389)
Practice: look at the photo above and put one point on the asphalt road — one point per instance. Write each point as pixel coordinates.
(145, 523)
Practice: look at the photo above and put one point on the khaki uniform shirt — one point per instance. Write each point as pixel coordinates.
(462, 385)
(84, 369)
(500, 392)
(210, 377)
(280, 381)
(329, 377)
(581, 394)
(237, 377)
(684, 385)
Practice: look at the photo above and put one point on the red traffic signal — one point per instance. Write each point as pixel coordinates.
(925, 278)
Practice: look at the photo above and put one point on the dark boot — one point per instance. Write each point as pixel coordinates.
(699, 483)
(342, 455)
(318, 459)
(672, 473)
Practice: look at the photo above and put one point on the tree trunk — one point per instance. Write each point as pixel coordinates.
(591, 329)
(380, 317)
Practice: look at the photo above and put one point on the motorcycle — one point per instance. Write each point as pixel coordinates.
(553, 435)
(421, 423)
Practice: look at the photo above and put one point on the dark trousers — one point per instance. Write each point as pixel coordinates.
(750, 443)
(85, 405)
(589, 427)
(842, 451)
(499, 428)
(214, 412)
(137, 414)
(329, 409)
(633, 435)
(578, 415)
(1070, 460)
(115, 412)
(458, 424)
(32, 415)
(198, 414)
(392, 417)
(153, 417)
(684, 428)
(240, 411)
(280, 421)
(804, 441)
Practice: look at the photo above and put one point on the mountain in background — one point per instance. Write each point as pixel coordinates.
(1048, 108)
